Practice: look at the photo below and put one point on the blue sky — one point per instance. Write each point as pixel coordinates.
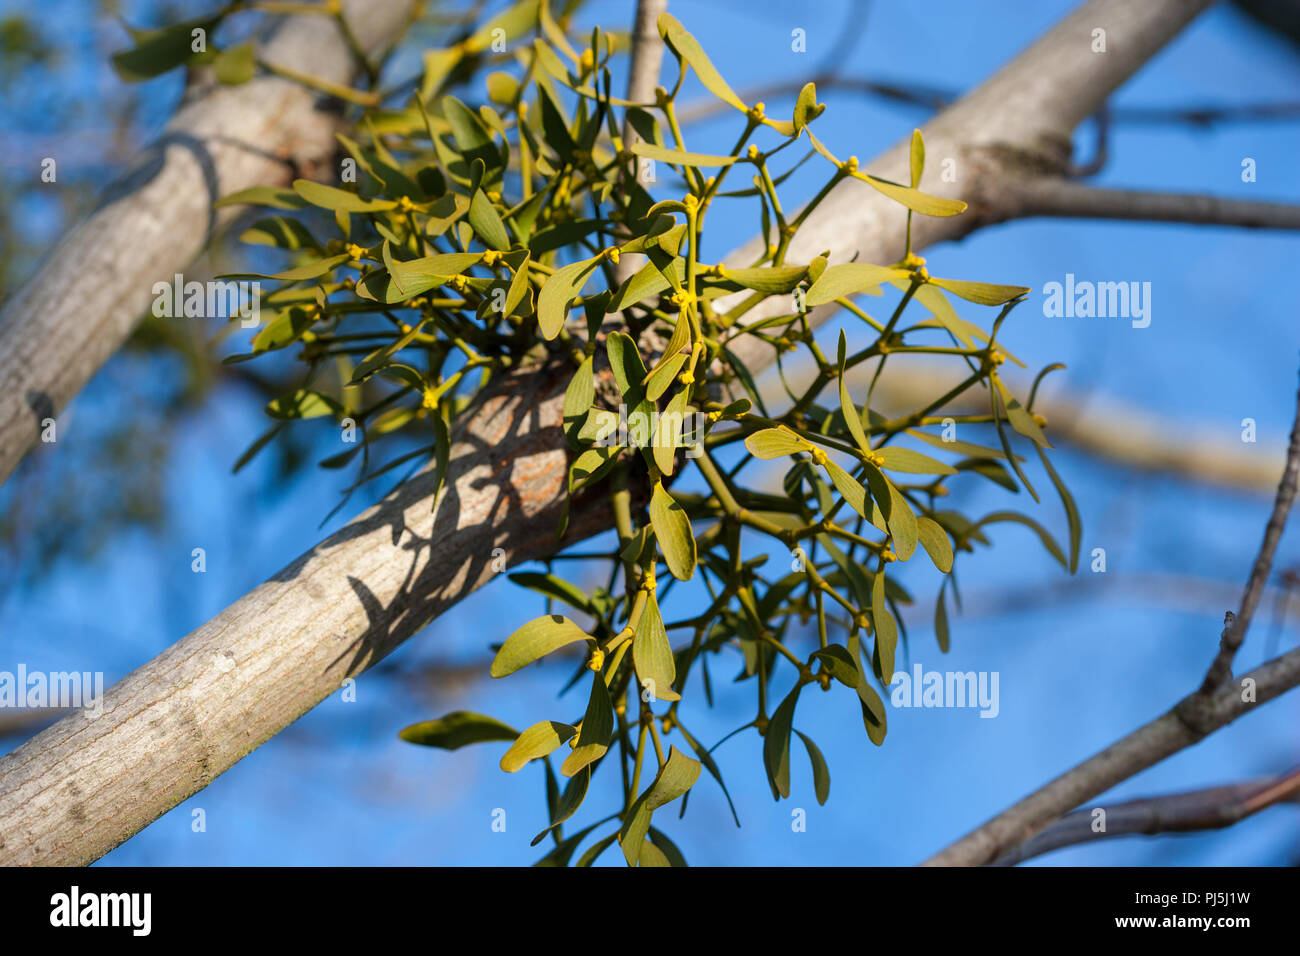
(338, 786)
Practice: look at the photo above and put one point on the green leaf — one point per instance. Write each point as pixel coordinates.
(262, 196)
(158, 51)
(669, 431)
(457, 729)
(902, 524)
(487, 222)
(236, 65)
(774, 280)
(679, 158)
(936, 543)
(821, 772)
(597, 728)
(941, 623)
(688, 48)
(558, 292)
(886, 629)
(850, 278)
(911, 462)
(1071, 511)
(806, 108)
(652, 655)
(917, 158)
(569, 802)
(673, 532)
(776, 745)
(982, 293)
(849, 487)
(666, 848)
(327, 197)
(852, 418)
(534, 640)
(626, 364)
(1020, 419)
(579, 396)
(538, 740)
(303, 404)
(677, 776)
(774, 443)
(914, 199)
(839, 663)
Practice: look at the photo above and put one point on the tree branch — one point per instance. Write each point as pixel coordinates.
(1051, 196)
(156, 218)
(1210, 809)
(82, 786)
(1213, 705)
(1112, 431)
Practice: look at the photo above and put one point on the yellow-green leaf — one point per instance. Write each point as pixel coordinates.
(339, 200)
(917, 157)
(673, 532)
(538, 740)
(936, 542)
(558, 292)
(774, 443)
(677, 775)
(851, 278)
(911, 462)
(534, 640)
(982, 293)
(914, 199)
(652, 655)
(597, 727)
(689, 49)
(456, 730)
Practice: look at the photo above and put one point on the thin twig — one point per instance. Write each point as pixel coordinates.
(1200, 713)
(1210, 809)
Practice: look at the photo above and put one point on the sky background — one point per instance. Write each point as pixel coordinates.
(1076, 672)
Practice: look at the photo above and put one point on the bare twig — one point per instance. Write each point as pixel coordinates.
(1211, 706)
(1235, 630)
(1210, 809)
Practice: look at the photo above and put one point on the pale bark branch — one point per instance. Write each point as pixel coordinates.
(158, 216)
(1212, 808)
(1051, 196)
(1213, 705)
(83, 786)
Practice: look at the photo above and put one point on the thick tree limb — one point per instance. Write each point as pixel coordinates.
(81, 787)
(1213, 705)
(155, 219)
(1210, 809)
(1051, 196)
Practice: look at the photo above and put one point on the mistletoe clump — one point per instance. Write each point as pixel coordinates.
(473, 237)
